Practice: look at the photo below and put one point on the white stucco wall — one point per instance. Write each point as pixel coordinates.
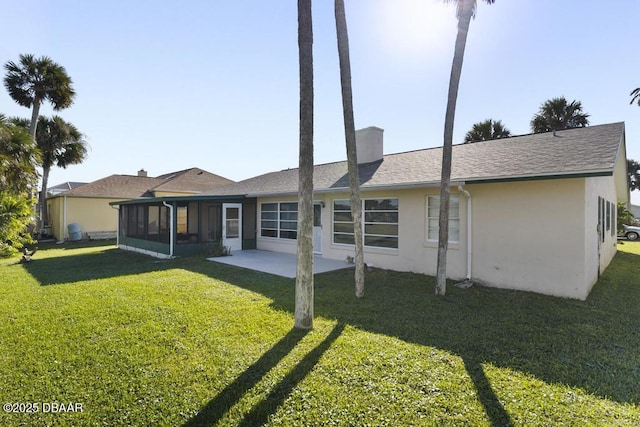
(598, 254)
(414, 254)
(537, 236)
(530, 236)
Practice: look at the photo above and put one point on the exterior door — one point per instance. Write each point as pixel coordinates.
(317, 228)
(232, 226)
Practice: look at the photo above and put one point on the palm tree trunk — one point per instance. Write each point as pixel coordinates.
(35, 112)
(454, 82)
(304, 268)
(33, 125)
(44, 218)
(350, 137)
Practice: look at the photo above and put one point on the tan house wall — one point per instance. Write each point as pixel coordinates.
(530, 236)
(414, 254)
(92, 214)
(173, 193)
(535, 236)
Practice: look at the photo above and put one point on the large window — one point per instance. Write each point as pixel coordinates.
(279, 220)
(147, 222)
(380, 217)
(433, 216)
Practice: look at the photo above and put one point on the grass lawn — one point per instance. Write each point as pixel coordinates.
(137, 341)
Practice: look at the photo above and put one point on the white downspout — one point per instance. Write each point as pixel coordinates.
(170, 228)
(64, 219)
(469, 235)
(117, 225)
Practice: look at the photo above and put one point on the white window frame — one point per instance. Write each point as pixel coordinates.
(366, 223)
(432, 226)
(279, 221)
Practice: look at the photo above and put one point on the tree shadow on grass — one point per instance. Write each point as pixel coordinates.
(593, 344)
(215, 410)
(101, 264)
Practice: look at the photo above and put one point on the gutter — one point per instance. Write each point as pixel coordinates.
(64, 220)
(117, 224)
(171, 234)
(469, 230)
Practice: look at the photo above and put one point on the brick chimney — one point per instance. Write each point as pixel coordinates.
(142, 172)
(369, 144)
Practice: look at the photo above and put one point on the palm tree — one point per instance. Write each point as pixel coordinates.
(465, 10)
(558, 114)
(350, 140)
(304, 267)
(633, 174)
(61, 145)
(635, 96)
(34, 80)
(487, 130)
(19, 156)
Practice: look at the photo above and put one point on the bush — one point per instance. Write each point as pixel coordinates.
(215, 248)
(15, 220)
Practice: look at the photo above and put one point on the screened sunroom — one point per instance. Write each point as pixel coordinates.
(186, 225)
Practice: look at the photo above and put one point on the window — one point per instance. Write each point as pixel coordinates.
(342, 222)
(614, 219)
(433, 216)
(279, 220)
(380, 217)
(145, 222)
(181, 216)
(232, 223)
(608, 209)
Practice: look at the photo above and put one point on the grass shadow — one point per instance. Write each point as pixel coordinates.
(259, 415)
(94, 265)
(593, 344)
(213, 411)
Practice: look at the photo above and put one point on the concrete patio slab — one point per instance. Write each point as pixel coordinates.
(277, 263)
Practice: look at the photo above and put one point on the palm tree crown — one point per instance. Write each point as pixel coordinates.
(487, 130)
(18, 158)
(60, 142)
(635, 96)
(34, 80)
(558, 114)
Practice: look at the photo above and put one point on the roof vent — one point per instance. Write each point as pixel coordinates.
(142, 172)
(369, 144)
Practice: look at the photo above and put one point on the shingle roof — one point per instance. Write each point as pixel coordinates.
(192, 180)
(590, 150)
(116, 186)
(65, 186)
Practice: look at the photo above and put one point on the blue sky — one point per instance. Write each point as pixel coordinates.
(166, 86)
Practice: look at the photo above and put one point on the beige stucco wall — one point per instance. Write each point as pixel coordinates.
(598, 254)
(92, 214)
(535, 236)
(414, 254)
(530, 236)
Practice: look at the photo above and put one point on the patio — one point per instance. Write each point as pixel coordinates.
(278, 263)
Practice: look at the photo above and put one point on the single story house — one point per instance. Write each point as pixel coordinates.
(88, 205)
(534, 212)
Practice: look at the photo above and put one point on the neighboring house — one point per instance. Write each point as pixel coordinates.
(635, 211)
(534, 212)
(88, 205)
(61, 188)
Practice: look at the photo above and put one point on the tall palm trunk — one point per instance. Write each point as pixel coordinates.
(44, 218)
(350, 137)
(464, 19)
(304, 269)
(33, 126)
(35, 112)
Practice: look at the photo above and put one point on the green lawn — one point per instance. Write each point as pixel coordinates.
(137, 341)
